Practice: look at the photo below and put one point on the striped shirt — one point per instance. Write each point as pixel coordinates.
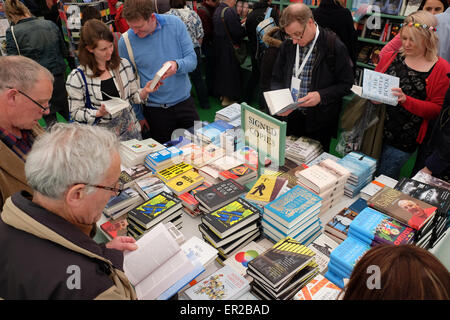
(306, 75)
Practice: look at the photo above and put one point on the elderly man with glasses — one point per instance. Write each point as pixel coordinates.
(47, 249)
(25, 91)
(316, 66)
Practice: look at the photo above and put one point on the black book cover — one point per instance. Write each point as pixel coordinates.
(219, 194)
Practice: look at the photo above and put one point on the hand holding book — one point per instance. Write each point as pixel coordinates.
(122, 244)
(398, 92)
(312, 99)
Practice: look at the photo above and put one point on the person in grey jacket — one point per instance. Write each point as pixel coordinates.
(41, 41)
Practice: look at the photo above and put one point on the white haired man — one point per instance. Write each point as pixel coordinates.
(46, 245)
(25, 91)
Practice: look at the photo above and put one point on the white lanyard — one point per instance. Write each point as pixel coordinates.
(297, 70)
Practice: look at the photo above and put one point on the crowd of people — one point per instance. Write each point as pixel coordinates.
(54, 184)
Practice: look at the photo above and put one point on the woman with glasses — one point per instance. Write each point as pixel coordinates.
(423, 83)
(107, 76)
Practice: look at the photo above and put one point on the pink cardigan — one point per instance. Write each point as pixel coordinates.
(437, 84)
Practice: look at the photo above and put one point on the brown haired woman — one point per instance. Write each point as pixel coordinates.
(404, 272)
(106, 75)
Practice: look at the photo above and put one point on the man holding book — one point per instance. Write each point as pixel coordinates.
(46, 245)
(316, 66)
(156, 40)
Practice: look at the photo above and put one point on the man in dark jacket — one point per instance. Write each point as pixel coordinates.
(322, 75)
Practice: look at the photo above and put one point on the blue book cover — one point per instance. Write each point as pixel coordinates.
(307, 219)
(163, 155)
(296, 233)
(289, 208)
(358, 205)
(330, 275)
(380, 228)
(348, 253)
(213, 130)
(338, 270)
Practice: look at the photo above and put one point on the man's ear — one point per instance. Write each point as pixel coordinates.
(11, 95)
(75, 195)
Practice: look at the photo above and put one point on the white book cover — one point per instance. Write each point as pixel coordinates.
(279, 101)
(135, 146)
(115, 105)
(224, 284)
(316, 178)
(239, 261)
(203, 251)
(377, 86)
(159, 75)
(229, 113)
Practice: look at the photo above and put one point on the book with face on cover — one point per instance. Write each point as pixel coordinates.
(413, 212)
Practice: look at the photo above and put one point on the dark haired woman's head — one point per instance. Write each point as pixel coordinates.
(404, 272)
(97, 46)
(434, 6)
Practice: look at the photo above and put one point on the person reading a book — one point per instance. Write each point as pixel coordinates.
(106, 76)
(406, 272)
(156, 40)
(46, 239)
(423, 83)
(25, 91)
(316, 66)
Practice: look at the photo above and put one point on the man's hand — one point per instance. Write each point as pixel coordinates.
(312, 99)
(146, 90)
(122, 244)
(426, 170)
(144, 125)
(171, 71)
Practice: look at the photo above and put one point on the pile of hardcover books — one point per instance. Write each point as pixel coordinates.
(163, 158)
(280, 272)
(133, 152)
(163, 207)
(294, 214)
(327, 179)
(303, 150)
(180, 178)
(230, 113)
(376, 185)
(362, 168)
(212, 131)
(231, 226)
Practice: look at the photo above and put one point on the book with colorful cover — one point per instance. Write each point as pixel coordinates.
(339, 224)
(129, 175)
(217, 195)
(150, 186)
(231, 217)
(239, 261)
(211, 132)
(289, 208)
(154, 210)
(318, 288)
(115, 228)
(348, 253)
(217, 242)
(243, 172)
(374, 227)
(413, 212)
(266, 189)
(160, 156)
(224, 284)
(185, 182)
(173, 171)
(188, 197)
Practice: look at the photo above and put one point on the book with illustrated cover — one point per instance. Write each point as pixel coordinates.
(292, 206)
(266, 189)
(429, 179)
(217, 242)
(151, 186)
(377, 86)
(317, 178)
(322, 247)
(413, 212)
(154, 210)
(188, 198)
(319, 288)
(211, 132)
(173, 171)
(339, 224)
(231, 217)
(115, 228)
(241, 173)
(155, 159)
(239, 261)
(374, 227)
(125, 199)
(185, 182)
(224, 284)
(204, 252)
(129, 175)
(217, 195)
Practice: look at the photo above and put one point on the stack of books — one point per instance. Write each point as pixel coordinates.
(162, 159)
(303, 150)
(266, 189)
(212, 131)
(242, 174)
(216, 196)
(343, 259)
(230, 227)
(281, 271)
(327, 179)
(128, 176)
(119, 205)
(133, 152)
(376, 185)
(294, 214)
(212, 171)
(321, 157)
(200, 155)
(190, 204)
(230, 113)
(180, 178)
(322, 247)
(163, 207)
(150, 187)
(373, 227)
(362, 168)
(224, 284)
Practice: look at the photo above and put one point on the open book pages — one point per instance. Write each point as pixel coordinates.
(159, 75)
(115, 105)
(378, 86)
(279, 101)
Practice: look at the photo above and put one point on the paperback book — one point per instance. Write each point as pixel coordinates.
(217, 195)
(378, 86)
(266, 189)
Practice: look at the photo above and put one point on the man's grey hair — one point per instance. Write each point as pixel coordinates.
(21, 73)
(68, 154)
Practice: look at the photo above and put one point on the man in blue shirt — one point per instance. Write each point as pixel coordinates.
(156, 39)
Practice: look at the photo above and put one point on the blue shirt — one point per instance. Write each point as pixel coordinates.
(169, 41)
(443, 32)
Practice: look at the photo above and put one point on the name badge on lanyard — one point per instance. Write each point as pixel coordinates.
(295, 81)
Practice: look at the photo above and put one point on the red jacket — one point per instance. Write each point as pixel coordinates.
(436, 86)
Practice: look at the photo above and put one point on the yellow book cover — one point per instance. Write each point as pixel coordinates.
(266, 189)
(174, 171)
(185, 182)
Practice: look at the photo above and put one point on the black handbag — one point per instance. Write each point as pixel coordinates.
(240, 51)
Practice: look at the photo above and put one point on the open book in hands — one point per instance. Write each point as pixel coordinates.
(159, 75)
(158, 264)
(378, 86)
(115, 105)
(280, 101)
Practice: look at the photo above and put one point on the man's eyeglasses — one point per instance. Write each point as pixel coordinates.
(118, 190)
(31, 99)
(295, 37)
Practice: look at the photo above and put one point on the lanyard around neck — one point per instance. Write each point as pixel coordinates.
(297, 70)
